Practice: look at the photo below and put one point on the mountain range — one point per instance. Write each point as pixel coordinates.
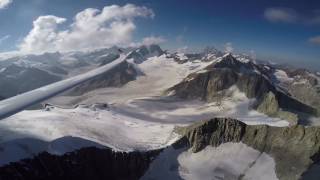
(161, 115)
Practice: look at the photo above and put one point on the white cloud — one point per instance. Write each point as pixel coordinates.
(315, 40)
(286, 15)
(91, 28)
(5, 3)
(228, 48)
(153, 40)
(4, 38)
(44, 35)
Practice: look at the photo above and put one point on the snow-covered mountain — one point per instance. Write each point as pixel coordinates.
(27, 72)
(144, 118)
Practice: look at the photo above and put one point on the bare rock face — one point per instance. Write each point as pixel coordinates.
(87, 163)
(295, 149)
(268, 105)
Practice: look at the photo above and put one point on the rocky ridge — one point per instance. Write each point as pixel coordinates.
(295, 150)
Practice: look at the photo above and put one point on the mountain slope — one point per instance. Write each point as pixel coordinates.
(117, 77)
(15, 80)
(228, 148)
(211, 83)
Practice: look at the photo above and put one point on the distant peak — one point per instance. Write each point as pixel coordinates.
(228, 55)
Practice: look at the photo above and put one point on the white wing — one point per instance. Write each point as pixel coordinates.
(17, 103)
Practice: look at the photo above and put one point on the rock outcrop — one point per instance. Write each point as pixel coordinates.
(295, 149)
(87, 163)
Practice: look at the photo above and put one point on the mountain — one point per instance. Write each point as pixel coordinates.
(142, 53)
(299, 81)
(258, 148)
(24, 73)
(117, 77)
(15, 79)
(161, 115)
(212, 83)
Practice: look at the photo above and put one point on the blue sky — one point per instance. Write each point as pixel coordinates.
(281, 30)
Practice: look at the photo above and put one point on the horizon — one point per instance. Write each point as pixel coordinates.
(278, 31)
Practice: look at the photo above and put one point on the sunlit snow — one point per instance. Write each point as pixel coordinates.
(230, 161)
(136, 116)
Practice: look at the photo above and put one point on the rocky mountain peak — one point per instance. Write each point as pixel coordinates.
(143, 52)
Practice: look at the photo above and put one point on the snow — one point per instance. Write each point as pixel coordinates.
(301, 82)
(182, 56)
(160, 73)
(137, 124)
(94, 127)
(137, 116)
(210, 56)
(202, 71)
(227, 161)
(267, 67)
(243, 59)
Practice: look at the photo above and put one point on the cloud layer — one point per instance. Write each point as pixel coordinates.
(315, 40)
(153, 40)
(281, 15)
(91, 28)
(288, 15)
(4, 3)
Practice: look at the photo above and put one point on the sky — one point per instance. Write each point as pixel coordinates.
(278, 30)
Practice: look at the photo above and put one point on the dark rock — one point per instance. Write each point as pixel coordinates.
(87, 163)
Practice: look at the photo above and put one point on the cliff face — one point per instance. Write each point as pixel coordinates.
(87, 163)
(294, 149)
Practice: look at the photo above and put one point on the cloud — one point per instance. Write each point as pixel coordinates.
(228, 48)
(315, 40)
(288, 15)
(4, 38)
(5, 3)
(153, 40)
(285, 15)
(91, 28)
(315, 18)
